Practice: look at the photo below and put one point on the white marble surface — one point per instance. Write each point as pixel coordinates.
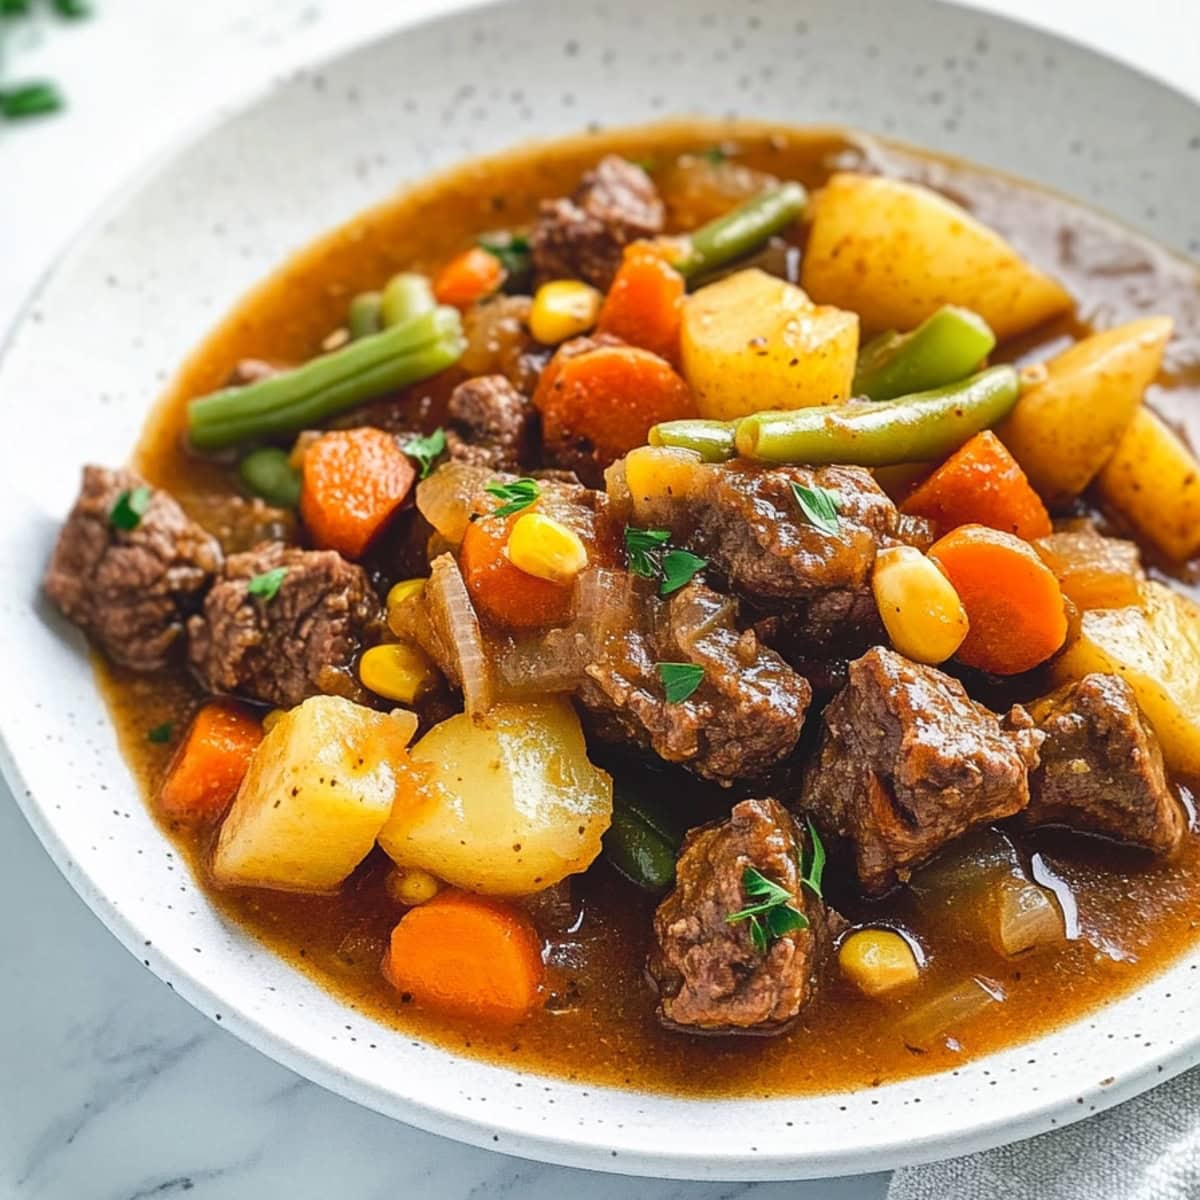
(112, 1088)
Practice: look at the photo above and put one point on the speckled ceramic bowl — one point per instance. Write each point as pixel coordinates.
(164, 260)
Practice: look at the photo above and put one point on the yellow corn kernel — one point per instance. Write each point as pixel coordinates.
(397, 671)
(878, 961)
(541, 546)
(921, 610)
(563, 308)
(272, 718)
(412, 886)
(398, 595)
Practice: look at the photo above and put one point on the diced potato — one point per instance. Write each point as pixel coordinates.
(1065, 428)
(1153, 481)
(506, 805)
(895, 252)
(319, 788)
(1156, 649)
(657, 473)
(752, 342)
(1093, 571)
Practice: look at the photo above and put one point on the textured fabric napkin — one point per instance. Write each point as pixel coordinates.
(1145, 1149)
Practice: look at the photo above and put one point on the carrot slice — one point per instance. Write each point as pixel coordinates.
(465, 955)
(503, 592)
(354, 481)
(1014, 603)
(608, 398)
(472, 275)
(209, 765)
(981, 484)
(643, 304)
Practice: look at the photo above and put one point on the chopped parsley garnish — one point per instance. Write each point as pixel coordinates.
(160, 734)
(714, 155)
(71, 10)
(680, 680)
(426, 450)
(820, 507)
(649, 557)
(513, 497)
(266, 586)
(512, 249)
(131, 505)
(29, 100)
(772, 915)
(811, 878)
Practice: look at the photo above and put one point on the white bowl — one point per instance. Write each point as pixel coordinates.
(168, 256)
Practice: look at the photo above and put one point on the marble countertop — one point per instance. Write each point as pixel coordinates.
(111, 1087)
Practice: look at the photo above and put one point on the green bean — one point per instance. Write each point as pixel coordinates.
(366, 315)
(642, 842)
(269, 473)
(406, 295)
(944, 348)
(740, 231)
(917, 428)
(712, 440)
(330, 384)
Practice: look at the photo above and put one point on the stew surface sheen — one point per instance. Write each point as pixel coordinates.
(598, 1023)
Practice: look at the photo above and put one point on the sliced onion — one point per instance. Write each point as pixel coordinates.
(456, 627)
(1024, 916)
(606, 605)
(537, 666)
(924, 1026)
(445, 498)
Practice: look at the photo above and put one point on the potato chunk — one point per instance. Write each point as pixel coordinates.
(1153, 481)
(895, 252)
(1156, 649)
(1093, 571)
(1064, 429)
(507, 805)
(319, 788)
(752, 342)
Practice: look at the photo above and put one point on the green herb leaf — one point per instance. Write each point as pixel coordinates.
(14, 8)
(820, 507)
(714, 155)
(678, 568)
(783, 920)
(519, 494)
(641, 548)
(758, 936)
(680, 680)
(816, 867)
(30, 100)
(71, 10)
(160, 734)
(266, 586)
(773, 916)
(512, 249)
(758, 887)
(426, 450)
(127, 512)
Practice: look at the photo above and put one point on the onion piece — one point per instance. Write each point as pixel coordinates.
(538, 666)
(924, 1026)
(1024, 916)
(445, 498)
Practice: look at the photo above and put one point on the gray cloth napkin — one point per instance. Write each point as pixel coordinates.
(1145, 1149)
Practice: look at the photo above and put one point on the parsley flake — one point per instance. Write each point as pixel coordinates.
(131, 505)
(812, 877)
(29, 100)
(714, 155)
(820, 507)
(266, 586)
(678, 568)
(680, 680)
(513, 497)
(512, 249)
(426, 450)
(642, 547)
(772, 916)
(160, 734)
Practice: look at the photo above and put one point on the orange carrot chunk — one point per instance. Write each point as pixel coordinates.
(472, 275)
(208, 767)
(643, 305)
(466, 955)
(1013, 602)
(503, 592)
(981, 484)
(608, 398)
(354, 481)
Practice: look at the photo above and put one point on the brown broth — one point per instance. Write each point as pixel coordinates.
(598, 1025)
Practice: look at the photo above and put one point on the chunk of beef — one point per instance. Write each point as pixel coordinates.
(300, 642)
(491, 424)
(907, 761)
(583, 237)
(1101, 767)
(744, 718)
(710, 975)
(131, 590)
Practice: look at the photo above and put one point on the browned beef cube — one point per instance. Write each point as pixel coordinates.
(491, 424)
(711, 974)
(908, 761)
(1102, 769)
(131, 589)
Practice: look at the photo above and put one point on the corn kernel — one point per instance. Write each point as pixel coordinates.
(412, 886)
(397, 671)
(921, 611)
(877, 961)
(563, 308)
(541, 546)
(273, 718)
(399, 595)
